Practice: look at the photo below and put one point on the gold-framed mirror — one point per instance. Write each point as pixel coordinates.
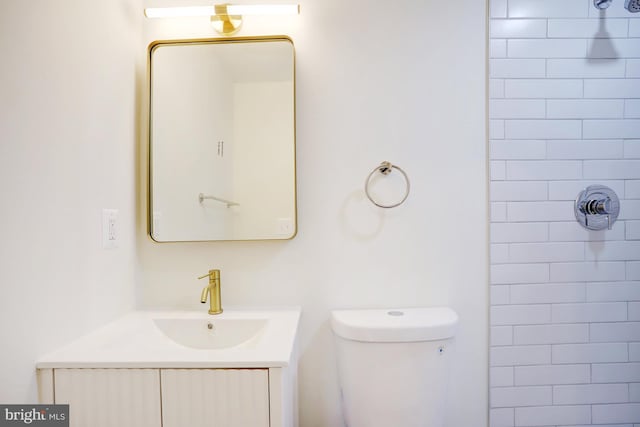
(222, 139)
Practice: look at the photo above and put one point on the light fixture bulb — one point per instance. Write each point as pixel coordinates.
(232, 9)
(179, 12)
(263, 9)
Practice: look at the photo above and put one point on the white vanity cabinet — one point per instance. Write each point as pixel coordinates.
(124, 397)
(215, 397)
(235, 369)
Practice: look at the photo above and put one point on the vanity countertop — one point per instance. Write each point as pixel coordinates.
(137, 340)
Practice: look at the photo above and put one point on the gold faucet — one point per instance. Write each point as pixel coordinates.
(213, 290)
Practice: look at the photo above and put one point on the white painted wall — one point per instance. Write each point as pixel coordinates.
(565, 316)
(68, 132)
(408, 87)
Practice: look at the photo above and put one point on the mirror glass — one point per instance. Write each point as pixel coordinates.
(222, 140)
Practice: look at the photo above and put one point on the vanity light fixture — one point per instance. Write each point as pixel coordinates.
(225, 18)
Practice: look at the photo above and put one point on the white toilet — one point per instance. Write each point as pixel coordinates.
(393, 365)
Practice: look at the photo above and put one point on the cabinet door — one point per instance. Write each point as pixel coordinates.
(215, 397)
(110, 397)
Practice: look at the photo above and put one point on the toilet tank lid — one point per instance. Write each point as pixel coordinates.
(395, 325)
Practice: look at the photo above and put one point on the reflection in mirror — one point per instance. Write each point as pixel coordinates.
(222, 140)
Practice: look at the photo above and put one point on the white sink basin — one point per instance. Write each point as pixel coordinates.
(237, 338)
(212, 333)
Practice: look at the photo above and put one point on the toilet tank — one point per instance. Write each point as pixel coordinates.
(393, 365)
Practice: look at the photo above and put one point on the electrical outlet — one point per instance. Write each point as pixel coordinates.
(109, 228)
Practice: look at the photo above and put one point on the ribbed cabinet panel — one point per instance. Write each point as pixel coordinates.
(110, 397)
(215, 397)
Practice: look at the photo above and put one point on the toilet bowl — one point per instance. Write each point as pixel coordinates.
(393, 365)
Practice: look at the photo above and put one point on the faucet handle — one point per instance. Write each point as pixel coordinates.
(212, 275)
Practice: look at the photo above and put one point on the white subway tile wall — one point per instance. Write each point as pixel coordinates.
(564, 110)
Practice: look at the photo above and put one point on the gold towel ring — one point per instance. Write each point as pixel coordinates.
(385, 168)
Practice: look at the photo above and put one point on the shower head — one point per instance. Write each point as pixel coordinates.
(632, 5)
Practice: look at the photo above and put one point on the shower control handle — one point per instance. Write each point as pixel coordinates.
(597, 207)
